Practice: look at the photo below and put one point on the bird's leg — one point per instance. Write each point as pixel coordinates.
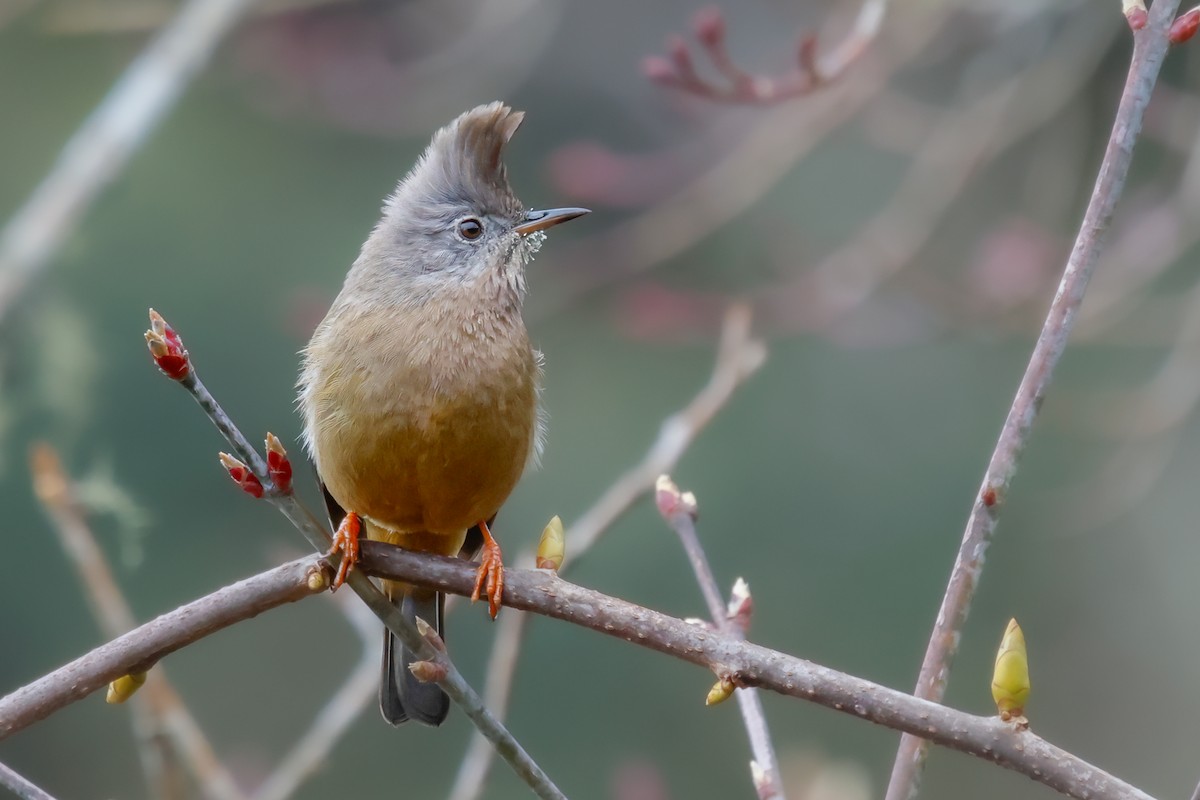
(491, 571)
(345, 541)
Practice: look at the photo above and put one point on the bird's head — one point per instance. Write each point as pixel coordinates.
(454, 219)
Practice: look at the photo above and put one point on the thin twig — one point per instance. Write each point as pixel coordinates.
(738, 357)
(1150, 47)
(453, 683)
(108, 138)
(21, 786)
(680, 516)
(497, 693)
(545, 593)
(810, 73)
(159, 712)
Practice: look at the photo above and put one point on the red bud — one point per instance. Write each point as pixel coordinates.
(242, 476)
(278, 465)
(1184, 27)
(166, 348)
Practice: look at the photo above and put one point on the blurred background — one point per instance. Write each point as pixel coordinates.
(899, 234)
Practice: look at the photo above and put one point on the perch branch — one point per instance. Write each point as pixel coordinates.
(753, 665)
(547, 594)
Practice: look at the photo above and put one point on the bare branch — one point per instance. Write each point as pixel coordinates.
(21, 786)
(810, 73)
(1150, 47)
(738, 357)
(108, 138)
(680, 515)
(547, 594)
(752, 665)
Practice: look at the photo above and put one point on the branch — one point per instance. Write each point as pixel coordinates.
(20, 786)
(677, 71)
(738, 357)
(547, 594)
(748, 664)
(107, 140)
(1150, 48)
(679, 511)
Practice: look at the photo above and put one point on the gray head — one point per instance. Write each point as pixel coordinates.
(454, 219)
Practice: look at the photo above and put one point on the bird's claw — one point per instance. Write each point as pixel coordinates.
(345, 541)
(490, 573)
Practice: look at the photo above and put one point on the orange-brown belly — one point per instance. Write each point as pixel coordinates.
(437, 467)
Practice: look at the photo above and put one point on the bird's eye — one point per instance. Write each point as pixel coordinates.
(470, 228)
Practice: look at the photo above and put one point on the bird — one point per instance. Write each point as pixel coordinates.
(420, 389)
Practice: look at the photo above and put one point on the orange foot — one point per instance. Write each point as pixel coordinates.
(345, 541)
(491, 570)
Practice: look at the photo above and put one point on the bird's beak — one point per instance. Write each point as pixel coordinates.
(541, 220)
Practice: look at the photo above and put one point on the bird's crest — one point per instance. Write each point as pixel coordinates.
(464, 162)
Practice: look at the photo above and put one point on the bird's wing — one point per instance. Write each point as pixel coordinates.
(332, 507)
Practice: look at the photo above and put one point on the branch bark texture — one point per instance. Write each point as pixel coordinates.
(753, 665)
(547, 594)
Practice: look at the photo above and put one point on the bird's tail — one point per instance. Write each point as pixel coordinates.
(401, 696)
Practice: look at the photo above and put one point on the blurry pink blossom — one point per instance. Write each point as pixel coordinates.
(1013, 262)
(655, 312)
(638, 780)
